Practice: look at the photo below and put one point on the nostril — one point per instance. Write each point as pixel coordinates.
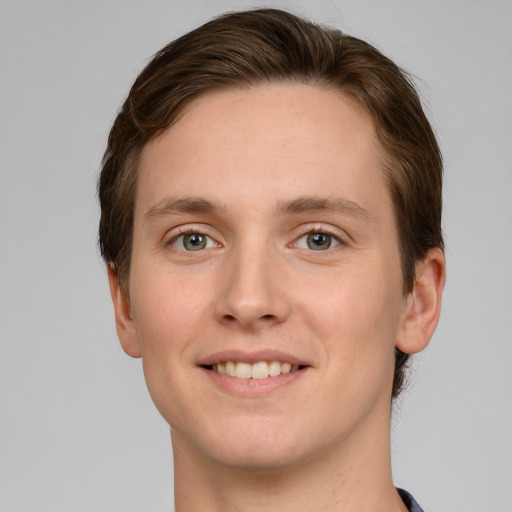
(232, 318)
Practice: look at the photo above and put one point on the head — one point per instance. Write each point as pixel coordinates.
(247, 49)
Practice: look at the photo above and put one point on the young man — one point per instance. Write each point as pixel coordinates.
(271, 221)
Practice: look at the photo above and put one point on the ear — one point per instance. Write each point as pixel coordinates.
(423, 304)
(125, 326)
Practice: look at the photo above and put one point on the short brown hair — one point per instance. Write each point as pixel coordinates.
(248, 48)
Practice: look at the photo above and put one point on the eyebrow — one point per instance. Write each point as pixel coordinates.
(302, 204)
(305, 204)
(169, 205)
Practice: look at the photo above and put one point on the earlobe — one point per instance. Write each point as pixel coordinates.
(423, 304)
(125, 326)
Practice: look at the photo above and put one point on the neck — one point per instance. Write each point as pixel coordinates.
(340, 479)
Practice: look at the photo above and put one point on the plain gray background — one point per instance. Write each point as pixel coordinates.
(78, 432)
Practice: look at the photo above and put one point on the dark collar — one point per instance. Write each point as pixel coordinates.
(409, 501)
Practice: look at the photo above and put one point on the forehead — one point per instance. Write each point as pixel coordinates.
(284, 138)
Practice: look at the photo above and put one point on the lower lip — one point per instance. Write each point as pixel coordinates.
(254, 387)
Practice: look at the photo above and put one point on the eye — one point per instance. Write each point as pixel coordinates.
(317, 241)
(193, 242)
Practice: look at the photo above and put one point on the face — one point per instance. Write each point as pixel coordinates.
(265, 246)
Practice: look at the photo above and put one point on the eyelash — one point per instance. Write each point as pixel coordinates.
(313, 230)
(184, 232)
(310, 230)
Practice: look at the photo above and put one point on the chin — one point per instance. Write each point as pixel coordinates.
(258, 459)
(246, 446)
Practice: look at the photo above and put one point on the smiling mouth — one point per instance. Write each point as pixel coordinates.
(259, 370)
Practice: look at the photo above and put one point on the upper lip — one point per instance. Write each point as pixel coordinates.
(252, 357)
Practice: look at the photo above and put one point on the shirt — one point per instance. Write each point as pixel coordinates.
(409, 501)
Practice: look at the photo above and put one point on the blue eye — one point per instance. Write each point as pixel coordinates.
(193, 242)
(317, 241)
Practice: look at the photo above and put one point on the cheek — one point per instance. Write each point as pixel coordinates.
(356, 315)
(167, 320)
(353, 300)
(167, 313)
(160, 294)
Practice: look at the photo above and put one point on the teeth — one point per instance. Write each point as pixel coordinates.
(274, 368)
(260, 370)
(230, 368)
(286, 367)
(243, 371)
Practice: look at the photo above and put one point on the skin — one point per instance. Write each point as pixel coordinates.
(233, 168)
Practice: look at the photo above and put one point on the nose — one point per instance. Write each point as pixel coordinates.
(253, 292)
